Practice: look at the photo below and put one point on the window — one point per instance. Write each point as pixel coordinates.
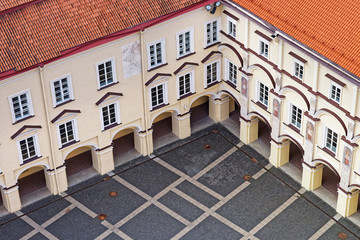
(185, 84)
(106, 73)
(331, 140)
(296, 114)
(62, 90)
(21, 106)
(66, 132)
(185, 42)
(231, 72)
(212, 73)
(264, 48)
(158, 95)
(263, 94)
(335, 92)
(211, 32)
(156, 54)
(232, 27)
(110, 115)
(28, 148)
(298, 69)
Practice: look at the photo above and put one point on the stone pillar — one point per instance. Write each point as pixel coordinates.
(249, 130)
(181, 125)
(11, 198)
(279, 153)
(347, 203)
(62, 179)
(50, 180)
(103, 159)
(149, 141)
(140, 142)
(311, 176)
(219, 109)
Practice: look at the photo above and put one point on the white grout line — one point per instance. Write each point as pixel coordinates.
(324, 228)
(112, 229)
(259, 174)
(81, 207)
(57, 216)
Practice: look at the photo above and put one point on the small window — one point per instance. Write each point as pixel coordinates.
(298, 69)
(156, 54)
(157, 95)
(211, 32)
(186, 84)
(335, 92)
(66, 132)
(109, 115)
(296, 115)
(21, 106)
(232, 72)
(232, 27)
(263, 94)
(106, 73)
(28, 148)
(331, 140)
(185, 42)
(212, 73)
(62, 90)
(264, 48)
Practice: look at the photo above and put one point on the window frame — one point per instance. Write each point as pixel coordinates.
(228, 74)
(183, 32)
(258, 93)
(337, 86)
(263, 40)
(326, 132)
(163, 53)
(218, 73)
(301, 65)
(36, 148)
(29, 103)
(117, 114)
(231, 23)
(113, 68)
(165, 96)
(75, 133)
(192, 84)
(218, 26)
(70, 87)
(292, 106)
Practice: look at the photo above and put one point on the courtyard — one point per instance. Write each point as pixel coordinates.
(208, 186)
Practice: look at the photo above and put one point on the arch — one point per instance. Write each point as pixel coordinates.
(288, 87)
(228, 93)
(90, 145)
(213, 95)
(164, 111)
(354, 187)
(44, 165)
(285, 136)
(2, 185)
(251, 67)
(326, 163)
(235, 51)
(262, 117)
(137, 127)
(322, 110)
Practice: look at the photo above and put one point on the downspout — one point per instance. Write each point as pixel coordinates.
(144, 89)
(41, 68)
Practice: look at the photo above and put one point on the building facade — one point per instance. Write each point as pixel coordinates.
(85, 108)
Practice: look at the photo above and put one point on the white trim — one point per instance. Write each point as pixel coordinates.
(325, 139)
(261, 39)
(301, 64)
(71, 92)
(113, 69)
(191, 30)
(75, 131)
(257, 93)
(234, 22)
(29, 100)
(291, 114)
(218, 72)
(117, 113)
(332, 83)
(218, 28)
(165, 95)
(36, 147)
(227, 71)
(192, 83)
(163, 53)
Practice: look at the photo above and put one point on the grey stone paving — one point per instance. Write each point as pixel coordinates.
(188, 192)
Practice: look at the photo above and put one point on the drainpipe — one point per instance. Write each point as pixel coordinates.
(41, 68)
(144, 88)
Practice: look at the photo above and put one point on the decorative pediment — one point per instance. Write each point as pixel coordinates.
(25, 127)
(216, 53)
(107, 95)
(184, 65)
(64, 112)
(156, 76)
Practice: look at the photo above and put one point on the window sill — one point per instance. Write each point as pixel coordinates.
(111, 126)
(68, 144)
(30, 160)
(211, 84)
(23, 119)
(295, 129)
(332, 154)
(157, 67)
(231, 84)
(106, 86)
(63, 103)
(186, 95)
(212, 45)
(159, 106)
(261, 105)
(184, 56)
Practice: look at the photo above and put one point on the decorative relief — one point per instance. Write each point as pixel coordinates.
(309, 131)
(244, 86)
(276, 108)
(347, 156)
(131, 59)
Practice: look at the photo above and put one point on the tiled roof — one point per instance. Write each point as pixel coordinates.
(7, 4)
(39, 32)
(330, 27)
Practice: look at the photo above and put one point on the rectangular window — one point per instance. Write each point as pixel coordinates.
(296, 115)
(211, 32)
(232, 72)
(21, 106)
(263, 94)
(264, 48)
(331, 140)
(185, 43)
(157, 95)
(62, 90)
(106, 73)
(184, 84)
(232, 28)
(299, 70)
(211, 73)
(156, 54)
(27, 148)
(66, 132)
(335, 93)
(109, 115)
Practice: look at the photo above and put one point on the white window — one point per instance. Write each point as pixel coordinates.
(263, 95)
(158, 95)
(211, 30)
(21, 106)
(298, 69)
(110, 115)
(28, 148)
(185, 84)
(106, 73)
(185, 42)
(264, 48)
(61, 90)
(296, 115)
(231, 72)
(66, 132)
(331, 141)
(335, 92)
(212, 73)
(231, 27)
(156, 53)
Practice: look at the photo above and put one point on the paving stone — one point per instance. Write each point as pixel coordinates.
(249, 207)
(197, 194)
(181, 206)
(86, 183)
(285, 177)
(318, 202)
(76, 225)
(15, 229)
(212, 229)
(228, 175)
(333, 232)
(253, 153)
(149, 177)
(98, 200)
(113, 236)
(351, 226)
(38, 236)
(299, 221)
(130, 164)
(152, 223)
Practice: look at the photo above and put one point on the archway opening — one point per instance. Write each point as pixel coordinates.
(260, 136)
(79, 164)
(295, 156)
(234, 111)
(163, 130)
(124, 146)
(199, 117)
(264, 133)
(330, 180)
(232, 122)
